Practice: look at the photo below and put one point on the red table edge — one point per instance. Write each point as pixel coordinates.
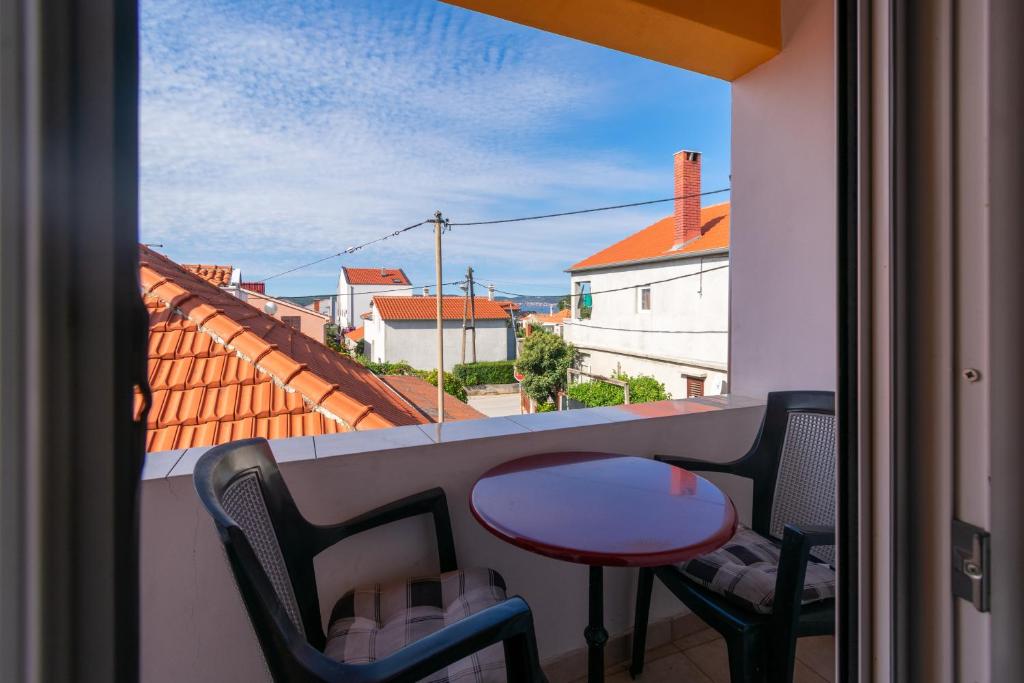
(604, 560)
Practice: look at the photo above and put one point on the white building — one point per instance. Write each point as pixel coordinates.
(405, 329)
(358, 286)
(657, 302)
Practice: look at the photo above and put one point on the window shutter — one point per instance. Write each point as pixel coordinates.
(694, 386)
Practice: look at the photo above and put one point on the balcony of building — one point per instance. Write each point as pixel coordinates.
(192, 613)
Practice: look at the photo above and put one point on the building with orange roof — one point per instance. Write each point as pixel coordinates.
(222, 276)
(358, 286)
(220, 370)
(657, 302)
(550, 322)
(352, 338)
(404, 328)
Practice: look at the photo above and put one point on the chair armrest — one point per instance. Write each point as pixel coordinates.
(810, 535)
(509, 622)
(698, 465)
(431, 502)
(797, 542)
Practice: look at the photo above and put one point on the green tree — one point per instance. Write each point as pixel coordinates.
(543, 362)
(332, 336)
(452, 384)
(564, 303)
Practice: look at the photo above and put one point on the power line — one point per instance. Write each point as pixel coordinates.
(620, 289)
(449, 225)
(350, 250)
(630, 329)
(600, 208)
(414, 287)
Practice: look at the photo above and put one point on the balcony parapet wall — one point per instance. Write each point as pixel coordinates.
(194, 626)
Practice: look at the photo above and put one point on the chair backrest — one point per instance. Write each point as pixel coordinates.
(265, 537)
(795, 462)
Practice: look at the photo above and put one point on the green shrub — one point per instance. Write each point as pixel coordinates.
(399, 368)
(642, 389)
(486, 372)
(544, 360)
(596, 393)
(452, 384)
(546, 407)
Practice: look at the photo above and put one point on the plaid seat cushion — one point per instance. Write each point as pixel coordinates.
(744, 570)
(375, 621)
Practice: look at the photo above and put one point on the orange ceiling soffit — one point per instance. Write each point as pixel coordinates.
(723, 38)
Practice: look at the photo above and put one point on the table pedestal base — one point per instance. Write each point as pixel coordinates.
(595, 632)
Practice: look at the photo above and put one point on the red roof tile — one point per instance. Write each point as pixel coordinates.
(218, 275)
(221, 369)
(550, 318)
(423, 395)
(356, 334)
(657, 240)
(425, 308)
(375, 276)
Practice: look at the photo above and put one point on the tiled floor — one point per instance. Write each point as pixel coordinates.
(701, 658)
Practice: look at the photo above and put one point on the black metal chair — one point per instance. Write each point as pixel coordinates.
(764, 589)
(456, 625)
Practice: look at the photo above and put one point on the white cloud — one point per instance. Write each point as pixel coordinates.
(274, 137)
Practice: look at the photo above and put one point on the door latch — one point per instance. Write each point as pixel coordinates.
(971, 564)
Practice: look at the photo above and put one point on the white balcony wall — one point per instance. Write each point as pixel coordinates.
(685, 332)
(784, 211)
(194, 626)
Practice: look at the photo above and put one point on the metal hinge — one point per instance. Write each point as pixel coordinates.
(971, 564)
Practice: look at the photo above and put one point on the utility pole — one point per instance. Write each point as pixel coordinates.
(465, 316)
(438, 227)
(472, 309)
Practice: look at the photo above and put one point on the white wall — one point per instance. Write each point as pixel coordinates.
(669, 374)
(415, 341)
(311, 323)
(698, 305)
(784, 211)
(194, 626)
(354, 300)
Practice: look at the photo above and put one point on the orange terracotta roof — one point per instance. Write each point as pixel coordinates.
(218, 275)
(222, 370)
(375, 276)
(356, 334)
(550, 318)
(657, 240)
(425, 308)
(423, 395)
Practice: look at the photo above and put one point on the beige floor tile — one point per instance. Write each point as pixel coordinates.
(670, 669)
(712, 659)
(818, 653)
(698, 638)
(803, 674)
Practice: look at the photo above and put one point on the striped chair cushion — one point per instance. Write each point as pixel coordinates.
(375, 621)
(745, 568)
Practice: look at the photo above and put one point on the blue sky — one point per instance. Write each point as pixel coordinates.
(274, 133)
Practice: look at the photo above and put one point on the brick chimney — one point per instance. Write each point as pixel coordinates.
(687, 212)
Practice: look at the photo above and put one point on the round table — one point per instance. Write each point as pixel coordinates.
(602, 510)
